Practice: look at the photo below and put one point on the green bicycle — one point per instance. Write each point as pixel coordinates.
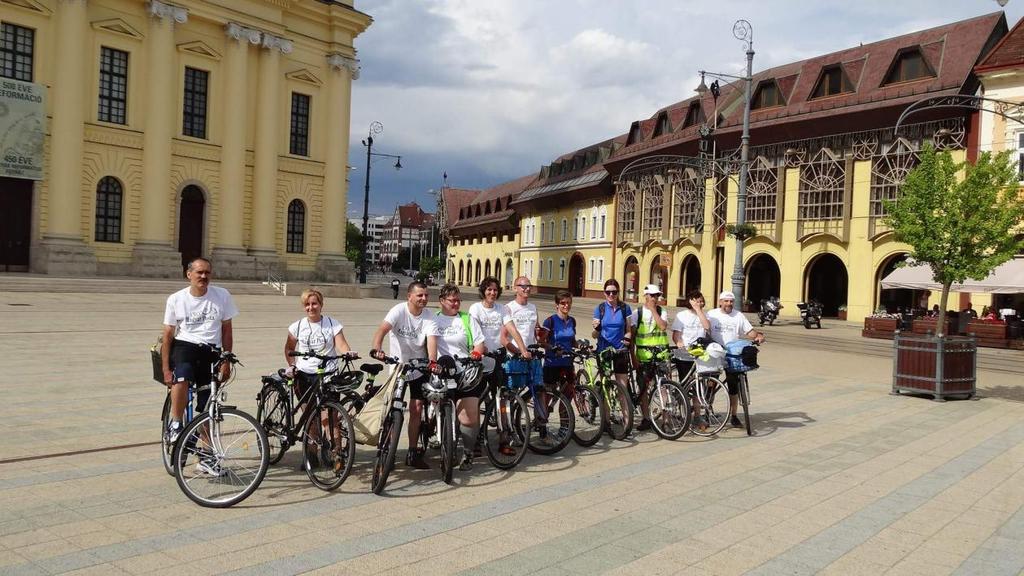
(596, 373)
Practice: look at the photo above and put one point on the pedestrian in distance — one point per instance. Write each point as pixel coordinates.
(395, 284)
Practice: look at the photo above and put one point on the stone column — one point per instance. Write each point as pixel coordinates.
(268, 116)
(229, 255)
(154, 253)
(332, 266)
(62, 249)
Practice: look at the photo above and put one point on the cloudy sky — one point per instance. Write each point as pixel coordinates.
(490, 90)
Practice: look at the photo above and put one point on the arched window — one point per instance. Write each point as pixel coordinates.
(109, 196)
(296, 227)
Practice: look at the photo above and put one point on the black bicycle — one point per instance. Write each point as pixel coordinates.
(661, 401)
(314, 416)
(391, 422)
(554, 420)
(586, 402)
(505, 426)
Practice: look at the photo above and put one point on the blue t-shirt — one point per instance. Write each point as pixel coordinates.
(613, 325)
(563, 334)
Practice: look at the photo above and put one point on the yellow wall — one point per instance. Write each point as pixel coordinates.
(494, 248)
(316, 32)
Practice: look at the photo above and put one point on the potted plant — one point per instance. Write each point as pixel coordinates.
(842, 312)
(958, 218)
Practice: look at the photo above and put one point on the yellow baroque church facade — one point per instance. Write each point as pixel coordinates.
(181, 129)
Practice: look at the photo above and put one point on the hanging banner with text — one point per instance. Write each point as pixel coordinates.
(22, 128)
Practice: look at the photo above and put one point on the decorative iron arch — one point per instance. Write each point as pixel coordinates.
(1010, 110)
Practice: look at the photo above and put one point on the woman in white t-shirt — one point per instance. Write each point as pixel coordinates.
(449, 327)
(494, 316)
(315, 333)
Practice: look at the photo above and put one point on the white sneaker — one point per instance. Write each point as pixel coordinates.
(172, 432)
(209, 466)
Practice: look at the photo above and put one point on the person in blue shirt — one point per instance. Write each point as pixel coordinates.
(561, 333)
(612, 327)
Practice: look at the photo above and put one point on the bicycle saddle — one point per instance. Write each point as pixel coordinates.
(372, 369)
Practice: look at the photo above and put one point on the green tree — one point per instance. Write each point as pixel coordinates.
(403, 262)
(355, 243)
(958, 217)
(431, 265)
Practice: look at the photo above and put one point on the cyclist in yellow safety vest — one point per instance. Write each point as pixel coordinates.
(651, 322)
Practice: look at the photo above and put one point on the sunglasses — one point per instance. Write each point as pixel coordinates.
(564, 303)
(454, 300)
(524, 286)
(611, 292)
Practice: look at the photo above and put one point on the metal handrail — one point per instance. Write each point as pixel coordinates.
(275, 281)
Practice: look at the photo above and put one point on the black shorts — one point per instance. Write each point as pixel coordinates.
(559, 376)
(732, 380)
(474, 392)
(682, 368)
(621, 364)
(415, 387)
(192, 363)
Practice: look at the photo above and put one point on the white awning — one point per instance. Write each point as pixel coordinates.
(1006, 279)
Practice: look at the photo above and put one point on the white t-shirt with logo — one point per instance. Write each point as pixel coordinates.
(199, 319)
(408, 338)
(525, 319)
(451, 335)
(491, 320)
(315, 337)
(728, 327)
(688, 324)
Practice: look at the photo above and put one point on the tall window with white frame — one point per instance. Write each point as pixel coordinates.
(600, 269)
(593, 226)
(109, 199)
(193, 113)
(296, 227)
(113, 101)
(17, 45)
(299, 143)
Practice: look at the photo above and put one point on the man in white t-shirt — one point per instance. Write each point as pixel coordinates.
(197, 320)
(727, 325)
(407, 326)
(524, 317)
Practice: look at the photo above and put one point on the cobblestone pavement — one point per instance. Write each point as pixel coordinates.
(840, 478)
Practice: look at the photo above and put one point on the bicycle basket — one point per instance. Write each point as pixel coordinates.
(711, 360)
(741, 356)
(518, 372)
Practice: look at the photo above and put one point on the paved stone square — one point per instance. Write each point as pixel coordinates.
(841, 477)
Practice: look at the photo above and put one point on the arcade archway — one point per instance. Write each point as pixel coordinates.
(764, 278)
(631, 279)
(826, 281)
(577, 275)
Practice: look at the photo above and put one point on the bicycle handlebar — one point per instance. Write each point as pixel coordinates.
(348, 356)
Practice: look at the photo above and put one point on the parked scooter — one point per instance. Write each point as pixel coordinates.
(769, 310)
(810, 313)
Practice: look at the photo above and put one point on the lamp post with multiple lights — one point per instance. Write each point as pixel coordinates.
(375, 128)
(744, 33)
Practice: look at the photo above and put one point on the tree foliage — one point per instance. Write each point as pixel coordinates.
(958, 217)
(355, 242)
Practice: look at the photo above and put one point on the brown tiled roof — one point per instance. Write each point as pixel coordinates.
(454, 200)
(1008, 53)
(409, 216)
(951, 51)
(502, 192)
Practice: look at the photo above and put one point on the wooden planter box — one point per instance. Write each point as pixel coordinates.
(987, 330)
(939, 367)
(879, 328)
(841, 314)
(928, 325)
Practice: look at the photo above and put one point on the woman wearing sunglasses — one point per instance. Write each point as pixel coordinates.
(612, 327)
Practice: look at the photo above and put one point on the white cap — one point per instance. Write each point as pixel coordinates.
(652, 289)
(727, 296)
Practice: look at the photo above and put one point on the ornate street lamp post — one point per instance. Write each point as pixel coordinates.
(375, 128)
(744, 33)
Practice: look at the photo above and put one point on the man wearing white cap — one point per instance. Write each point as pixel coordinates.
(728, 324)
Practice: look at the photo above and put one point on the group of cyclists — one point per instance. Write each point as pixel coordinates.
(197, 319)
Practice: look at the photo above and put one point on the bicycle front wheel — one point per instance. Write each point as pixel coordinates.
(329, 446)
(166, 447)
(222, 461)
(712, 400)
(745, 402)
(387, 447)
(272, 414)
(447, 437)
(668, 409)
(553, 421)
(618, 409)
(506, 430)
(589, 415)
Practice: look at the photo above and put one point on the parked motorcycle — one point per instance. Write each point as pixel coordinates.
(769, 310)
(810, 313)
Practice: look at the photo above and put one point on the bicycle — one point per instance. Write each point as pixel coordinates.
(668, 407)
(439, 409)
(710, 400)
(225, 448)
(505, 427)
(586, 403)
(391, 423)
(616, 404)
(546, 400)
(328, 446)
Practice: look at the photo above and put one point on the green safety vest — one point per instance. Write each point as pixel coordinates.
(648, 337)
(466, 325)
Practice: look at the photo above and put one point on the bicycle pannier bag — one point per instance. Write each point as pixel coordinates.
(740, 356)
(155, 354)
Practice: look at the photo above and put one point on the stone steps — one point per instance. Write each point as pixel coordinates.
(115, 285)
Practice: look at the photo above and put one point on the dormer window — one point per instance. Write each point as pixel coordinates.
(487, 208)
(832, 81)
(634, 133)
(694, 115)
(767, 95)
(661, 126)
(908, 65)
(497, 205)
